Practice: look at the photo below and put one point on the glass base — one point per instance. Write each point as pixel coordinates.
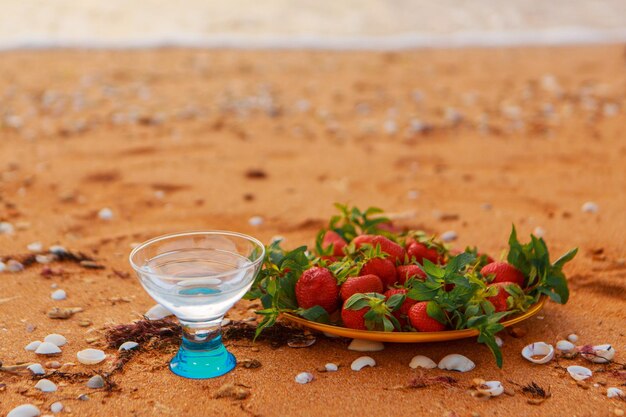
(203, 363)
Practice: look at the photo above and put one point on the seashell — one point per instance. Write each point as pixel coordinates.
(301, 341)
(614, 392)
(95, 382)
(499, 341)
(32, 346)
(57, 250)
(304, 378)
(572, 338)
(128, 345)
(24, 410)
(45, 385)
(36, 369)
(490, 388)
(6, 228)
(53, 364)
(3, 266)
(105, 214)
(544, 351)
(255, 221)
(421, 361)
(58, 295)
(456, 362)
(448, 236)
(35, 247)
(362, 362)
(56, 407)
(14, 266)
(90, 356)
(331, 367)
(330, 335)
(360, 345)
(157, 312)
(565, 346)
(47, 348)
(590, 207)
(56, 339)
(44, 259)
(579, 373)
(63, 313)
(599, 354)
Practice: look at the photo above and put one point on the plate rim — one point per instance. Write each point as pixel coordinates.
(409, 337)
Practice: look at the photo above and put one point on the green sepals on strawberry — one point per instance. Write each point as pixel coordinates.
(332, 244)
(371, 311)
(351, 222)
(420, 246)
(395, 253)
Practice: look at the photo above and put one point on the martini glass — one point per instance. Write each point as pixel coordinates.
(199, 276)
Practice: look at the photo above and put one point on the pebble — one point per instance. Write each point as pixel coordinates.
(539, 231)
(43, 259)
(304, 378)
(35, 247)
(57, 250)
(53, 364)
(128, 345)
(449, 236)
(105, 214)
(24, 410)
(499, 341)
(83, 397)
(590, 207)
(47, 348)
(95, 382)
(14, 266)
(331, 367)
(572, 338)
(3, 266)
(45, 385)
(360, 345)
(55, 339)
(36, 369)
(56, 407)
(58, 295)
(255, 221)
(6, 228)
(32, 346)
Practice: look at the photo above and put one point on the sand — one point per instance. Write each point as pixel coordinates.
(164, 139)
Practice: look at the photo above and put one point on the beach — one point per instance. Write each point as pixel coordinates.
(467, 140)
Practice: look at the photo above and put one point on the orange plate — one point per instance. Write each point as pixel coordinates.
(408, 337)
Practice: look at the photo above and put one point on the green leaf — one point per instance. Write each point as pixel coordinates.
(432, 269)
(395, 301)
(434, 311)
(559, 263)
(315, 313)
(357, 302)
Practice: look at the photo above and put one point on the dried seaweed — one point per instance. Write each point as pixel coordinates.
(423, 381)
(66, 256)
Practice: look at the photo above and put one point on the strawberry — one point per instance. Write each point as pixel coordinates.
(317, 287)
(354, 319)
(420, 319)
(401, 313)
(499, 300)
(503, 272)
(419, 251)
(370, 312)
(383, 269)
(394, 251)
(407, 271)
(332, 238)
(361, 284)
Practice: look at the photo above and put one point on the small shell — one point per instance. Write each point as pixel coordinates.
(572, 338)
(331, 367)
(304, 378)
(456, 362)
(565, 346)
(57, 250)
(14, 266)
(47, 348)
(56, 339)
(35, 247)
(95, 382)
(45, 385)
(255, 221)
(83, 397)
(56, 407)
(58, 295)
(360, 345)
(579, 373)
(24, 410)
(541, 349)
(491, 388)
(32, 346)
(421, 361)
(614, 392)
(590, 207)
(362, 362)
(157, 312)
(36, 369)
(449, 236)
(499, 341)
(128, 345)
(600, 354)
(105, 214)
(90, 356)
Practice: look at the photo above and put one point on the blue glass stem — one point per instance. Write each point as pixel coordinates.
(202, 354)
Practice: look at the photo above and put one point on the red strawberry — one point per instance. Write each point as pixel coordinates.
(420, 319)
(361, 284)
(383, 269)
(354, 318)
(402, 313)
(407, 271)
(329, 259)
(395, 251)
(332, 238)
(420, 251)
(503, 272)
(317, 287)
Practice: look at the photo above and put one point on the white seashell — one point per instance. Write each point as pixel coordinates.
(6, 228)
(32, 346)
(14, 266)
(615, 393)
(90, 356)
(44, 259)
(36, 369)
(330, 336)
(572, 338)
(157, 312)
(24, 410)
(601, 354)
(3, 266)
(331, 367)
(128, 345)
(58, 295)
(579, 373)
(360, 345)
(47, 348)
(35, 247)
(491, 388)
(541, 349)
(57, 250)
(83, 397)
(590, 207)
(304, 378)
(105, 214)
(362, 362)
(56, 339)
(456, 362)
(499, 341)
(539, 231)
(565, 346)
(449, 236)
(45, 385)
(95, 382)
(255, 221)
(421, 361)
(56, 407)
